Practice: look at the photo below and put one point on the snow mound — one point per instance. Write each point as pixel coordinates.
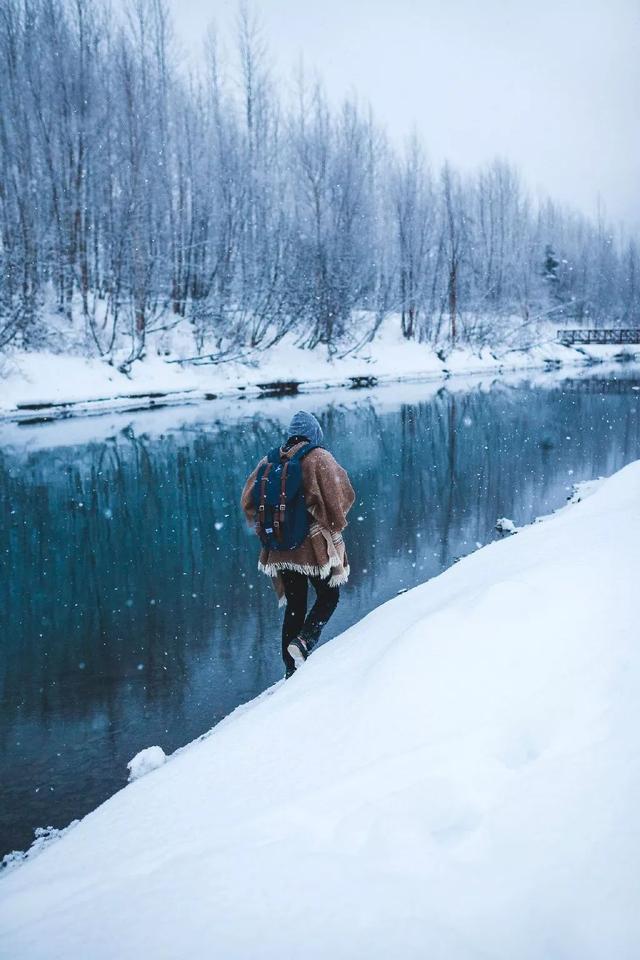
(43, 837)
(454, 777)
(504, 525)
(584, 489)
(145, 761)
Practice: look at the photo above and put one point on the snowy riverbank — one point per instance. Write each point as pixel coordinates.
(455, 776)
(47, 385)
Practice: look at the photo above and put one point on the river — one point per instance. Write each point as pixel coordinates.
(131, 610)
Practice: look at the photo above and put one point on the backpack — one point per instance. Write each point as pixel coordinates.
(282, 518)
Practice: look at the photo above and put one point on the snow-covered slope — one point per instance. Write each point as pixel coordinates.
(46, 384)
(454, 777)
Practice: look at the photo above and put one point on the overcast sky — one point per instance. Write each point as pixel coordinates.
(552, 86)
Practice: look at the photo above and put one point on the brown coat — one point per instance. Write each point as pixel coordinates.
(329, 496)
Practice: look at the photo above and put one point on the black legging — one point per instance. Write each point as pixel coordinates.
(296, 622)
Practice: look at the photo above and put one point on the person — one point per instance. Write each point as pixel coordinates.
(321, 558)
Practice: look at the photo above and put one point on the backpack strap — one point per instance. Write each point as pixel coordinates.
(278, 520)
(260, 524)
(279, 515)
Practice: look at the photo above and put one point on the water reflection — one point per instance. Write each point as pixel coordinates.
(131, 611)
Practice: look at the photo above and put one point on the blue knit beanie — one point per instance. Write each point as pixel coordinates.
(305, 424)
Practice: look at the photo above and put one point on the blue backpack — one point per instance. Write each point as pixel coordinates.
(282, 518)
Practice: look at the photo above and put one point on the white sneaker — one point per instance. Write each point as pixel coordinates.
(297, 650)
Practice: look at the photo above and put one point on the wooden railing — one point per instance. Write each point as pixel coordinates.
(619, 335)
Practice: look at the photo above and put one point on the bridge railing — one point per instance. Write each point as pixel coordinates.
(618, 335)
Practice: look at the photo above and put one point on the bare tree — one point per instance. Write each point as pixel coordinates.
(135, 197)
